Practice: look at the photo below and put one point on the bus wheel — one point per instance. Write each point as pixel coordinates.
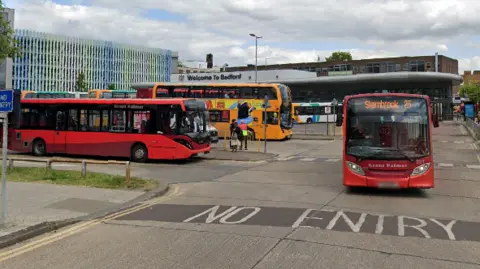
(309, 120)
(139, 153)
(39, 148)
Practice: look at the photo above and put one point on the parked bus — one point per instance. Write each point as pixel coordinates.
(140, 129)
(315, 112)
(106, 94)
(45, 94)
(388, 141)
(242, 102)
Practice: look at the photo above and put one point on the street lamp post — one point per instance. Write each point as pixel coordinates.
(256, 53)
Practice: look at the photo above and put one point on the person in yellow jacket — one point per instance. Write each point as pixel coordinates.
(244, 128)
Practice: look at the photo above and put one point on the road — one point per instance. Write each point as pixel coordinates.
(291, 212)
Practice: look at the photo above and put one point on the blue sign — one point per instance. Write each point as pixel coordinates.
(6, 100)
(469, 111)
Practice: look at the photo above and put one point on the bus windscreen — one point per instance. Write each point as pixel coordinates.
(387, 128)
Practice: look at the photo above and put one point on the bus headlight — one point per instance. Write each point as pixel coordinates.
(355, 168)
(421, 169)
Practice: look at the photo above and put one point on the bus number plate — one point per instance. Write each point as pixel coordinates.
(388, 185)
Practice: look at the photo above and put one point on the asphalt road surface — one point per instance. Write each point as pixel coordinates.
(291, 212)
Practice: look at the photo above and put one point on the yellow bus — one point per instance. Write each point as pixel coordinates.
(106, 94)
(239, 101)
(27, 94)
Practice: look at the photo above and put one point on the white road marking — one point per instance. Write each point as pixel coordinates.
(473, 166)
(332, 160)
(443, 141)
(445, 165)
(308, 159)
(458, 142)
(462, 129)
(285, 158)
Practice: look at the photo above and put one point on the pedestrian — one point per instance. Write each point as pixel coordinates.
(234, 136)
(244, 135)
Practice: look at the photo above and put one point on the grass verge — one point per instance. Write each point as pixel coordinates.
(62, 177)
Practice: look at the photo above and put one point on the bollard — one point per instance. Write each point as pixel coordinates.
(258, 144)
(84, 168)
(127, 172)
(10, 164)
(48, 166)
(224, 140)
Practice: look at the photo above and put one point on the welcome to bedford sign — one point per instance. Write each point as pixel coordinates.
(201, 77)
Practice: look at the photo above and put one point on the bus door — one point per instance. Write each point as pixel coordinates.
(60, 136)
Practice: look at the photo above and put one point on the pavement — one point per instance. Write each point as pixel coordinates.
(290, 211)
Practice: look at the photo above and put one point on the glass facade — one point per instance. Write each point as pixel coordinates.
(52, 63)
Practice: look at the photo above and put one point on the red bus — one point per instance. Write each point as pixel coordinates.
(387, 141)
(139, 129)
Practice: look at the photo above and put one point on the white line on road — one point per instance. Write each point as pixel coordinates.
(458, 142)
(462, 129)
(473, 166)
(285, 158)
(443, 141)
(333, 160)
(445, 165)
(308, 159)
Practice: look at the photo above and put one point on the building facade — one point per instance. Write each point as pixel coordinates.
(6, 64)
(471, 77)
(53, 63)
(367, 66)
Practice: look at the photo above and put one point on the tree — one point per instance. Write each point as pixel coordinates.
(80, 84)
(8, 45)
(339, 56)
(111, 87)
(470, 90)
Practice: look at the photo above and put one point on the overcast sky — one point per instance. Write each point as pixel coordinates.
(292, 30)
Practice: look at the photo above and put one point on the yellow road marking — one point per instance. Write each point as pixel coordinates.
(78, 228)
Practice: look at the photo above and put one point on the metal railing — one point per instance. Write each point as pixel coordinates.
(83, 164)
(473, 128)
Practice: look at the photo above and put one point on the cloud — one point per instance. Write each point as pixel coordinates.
(366, 28)
(472, 63)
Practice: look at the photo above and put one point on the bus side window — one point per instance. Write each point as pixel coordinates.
(105, 121)
(117, 120)
(72, 120)
(61, 123)
(83, 120)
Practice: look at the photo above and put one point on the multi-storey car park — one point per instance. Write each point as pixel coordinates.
(52, 63)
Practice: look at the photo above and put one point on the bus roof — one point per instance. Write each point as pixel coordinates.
(113, 101)
(107, 90)
(186, 84)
